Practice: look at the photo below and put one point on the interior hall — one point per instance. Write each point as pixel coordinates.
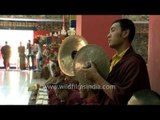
(79, 60)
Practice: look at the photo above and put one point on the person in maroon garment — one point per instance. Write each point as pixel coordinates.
(53, 99)
(89, 97)
(21, 51)
(6, 54)
(63, 96)
(68, 96)
(128, 71)
(57, 74)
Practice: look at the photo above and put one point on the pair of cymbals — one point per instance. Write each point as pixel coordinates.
(75, 53)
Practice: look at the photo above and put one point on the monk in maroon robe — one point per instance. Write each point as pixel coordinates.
(128, 76)
(68, 96)
(128, 71)
(53, 99)
(89, 97)
(22, 56)
(63, 96)
(6, 54)
(73, 98)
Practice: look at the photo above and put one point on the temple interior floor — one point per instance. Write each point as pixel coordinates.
(14, 86)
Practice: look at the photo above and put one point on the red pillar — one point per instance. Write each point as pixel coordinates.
(154, 52)
(95, 28)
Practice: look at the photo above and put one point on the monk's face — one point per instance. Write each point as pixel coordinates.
(115, 36)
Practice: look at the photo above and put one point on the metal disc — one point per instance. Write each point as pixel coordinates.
(92, 53)
(67, 51)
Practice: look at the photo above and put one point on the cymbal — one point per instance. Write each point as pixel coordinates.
(145, 97)
(92, 53)
(67, 52)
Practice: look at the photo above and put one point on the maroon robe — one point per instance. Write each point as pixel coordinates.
(6, 54)
(53, 99)
(51, 92)
(128, 76)
(73, 98)
(91, 101)
(22, 56)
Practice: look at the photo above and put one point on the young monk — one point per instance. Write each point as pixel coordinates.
(67, 96)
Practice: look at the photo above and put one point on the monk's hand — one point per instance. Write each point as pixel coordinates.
(89, 70)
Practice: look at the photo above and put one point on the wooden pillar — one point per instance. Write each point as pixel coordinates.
(154, 52)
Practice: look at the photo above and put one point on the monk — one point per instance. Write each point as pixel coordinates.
(6, 54)
(67, 96)
(22, 56)
(128, 71)
(89, 97)
(57, 74)
(53, 99)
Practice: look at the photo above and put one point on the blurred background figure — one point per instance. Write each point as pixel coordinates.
(6, 54)
(30, 55)
(21, 51)
(38, 54)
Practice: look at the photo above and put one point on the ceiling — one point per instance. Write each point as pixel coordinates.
(47, 18)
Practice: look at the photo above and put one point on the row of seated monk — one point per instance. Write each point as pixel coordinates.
(63, 96)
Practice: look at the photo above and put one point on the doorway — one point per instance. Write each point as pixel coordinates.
(13, 37)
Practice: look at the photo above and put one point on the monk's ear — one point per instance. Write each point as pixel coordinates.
(125, 33)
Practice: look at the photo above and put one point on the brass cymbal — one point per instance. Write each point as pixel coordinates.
(67, 51)
(92, 53)
(145, 97)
